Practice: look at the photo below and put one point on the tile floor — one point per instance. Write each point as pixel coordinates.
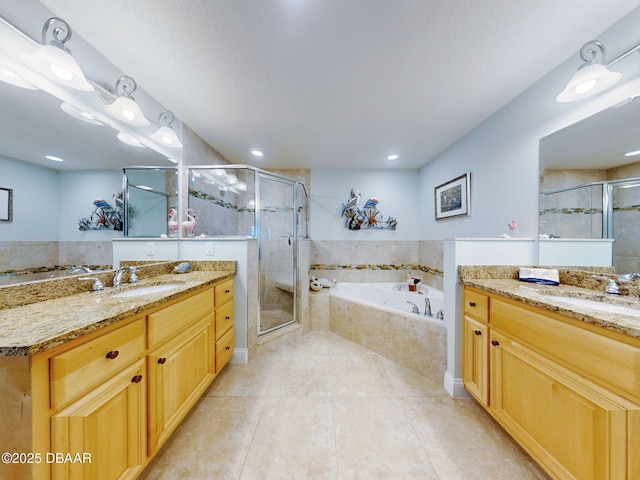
(326, 408)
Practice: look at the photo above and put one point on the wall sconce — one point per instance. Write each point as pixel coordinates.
(124, 107)
(165, 135)
(54, 61)
(593, 76)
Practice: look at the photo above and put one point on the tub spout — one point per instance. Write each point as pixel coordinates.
(427, 308)
(415, 308)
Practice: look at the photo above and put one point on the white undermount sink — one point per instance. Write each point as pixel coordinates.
(138, 292)
(596, 305)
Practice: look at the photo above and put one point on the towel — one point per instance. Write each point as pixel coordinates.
(546, 276)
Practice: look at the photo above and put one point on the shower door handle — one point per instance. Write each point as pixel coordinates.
(288, 235)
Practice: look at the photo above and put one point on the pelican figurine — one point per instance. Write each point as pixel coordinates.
(347, 208)
(100, 203)
(371, 203)
(190, 225)
(172, 223)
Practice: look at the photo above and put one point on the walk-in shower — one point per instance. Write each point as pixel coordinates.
(605, 209)
(240, 200)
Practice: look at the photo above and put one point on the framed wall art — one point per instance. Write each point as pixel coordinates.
(6, 205)
(452, 198)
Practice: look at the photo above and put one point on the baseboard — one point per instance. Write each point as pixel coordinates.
(240, 355)
(455, 387)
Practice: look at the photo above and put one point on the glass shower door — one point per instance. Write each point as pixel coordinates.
(277, 250)
(623, 225)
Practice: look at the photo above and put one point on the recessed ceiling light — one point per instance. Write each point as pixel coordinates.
(257, 153)
(392, 158)
(54, 159)
(632, 154)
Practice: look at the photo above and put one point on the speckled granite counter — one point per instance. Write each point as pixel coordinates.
(503, 281)
(35, 327)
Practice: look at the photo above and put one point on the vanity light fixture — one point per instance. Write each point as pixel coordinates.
(54, 61)
(8, 76)
(593, 76)
(80, 114)
(165, 135)
(124, 108)
(129, 139)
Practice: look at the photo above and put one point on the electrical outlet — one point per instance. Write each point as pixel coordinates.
(151, 249)
(209, 248)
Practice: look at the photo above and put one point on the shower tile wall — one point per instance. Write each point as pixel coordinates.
(626, 248)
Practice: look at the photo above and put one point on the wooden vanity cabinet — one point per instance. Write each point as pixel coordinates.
(568, 392)
(475, 339)
(116, 394)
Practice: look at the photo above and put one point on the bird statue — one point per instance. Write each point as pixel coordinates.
(190, 225)
(371, 203)
(172, 223)
(352, 203)
(100, 203)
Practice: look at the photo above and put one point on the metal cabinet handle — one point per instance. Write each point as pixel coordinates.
(227, 347)
(472, 304)
(227, 317)
(495, 343)
(162, 360)
(477, 332)
(136, 379)
(227, 291)
(112, 354)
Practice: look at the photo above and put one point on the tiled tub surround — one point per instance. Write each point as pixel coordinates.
(40, 315)
(378, 261)
(503, 280)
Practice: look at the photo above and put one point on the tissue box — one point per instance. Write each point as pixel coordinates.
(546, 276)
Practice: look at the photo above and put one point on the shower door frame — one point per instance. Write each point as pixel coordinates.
(258, 228)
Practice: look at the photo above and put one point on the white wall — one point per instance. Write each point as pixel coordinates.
(397, 191)
(36, 204)
(78, 189)
(502, 153)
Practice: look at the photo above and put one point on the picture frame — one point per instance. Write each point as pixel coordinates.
(452, 198)
(6, 204)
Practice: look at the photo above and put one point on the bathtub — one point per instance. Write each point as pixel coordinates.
(378, 317)
(393, 297)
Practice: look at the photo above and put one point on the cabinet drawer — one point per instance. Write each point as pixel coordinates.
(224, 292)
(476, 305)
(224, 319)
(170, 321)
(224, 350)
(81, 368)
(596, 355)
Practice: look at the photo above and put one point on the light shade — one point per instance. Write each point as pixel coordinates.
(127, 110)
(8, 76)
(80, 114)
(167, 137)
(588, 81)
(129, 139)
(58, 65)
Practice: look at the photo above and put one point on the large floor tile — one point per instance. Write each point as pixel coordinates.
(297, 375)
(376, 441)
(356, 375)
(294, 440)
(211, 443)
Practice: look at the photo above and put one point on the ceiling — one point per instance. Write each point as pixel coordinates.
(335, 83)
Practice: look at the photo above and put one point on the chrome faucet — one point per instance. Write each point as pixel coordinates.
(97, 286)
(440, 314)
(627, 277)
(80, 268)
(415, 308)
(427, 307)
(117, 278)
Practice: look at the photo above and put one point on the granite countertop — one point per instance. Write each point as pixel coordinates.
(39, 326)
(548, 298)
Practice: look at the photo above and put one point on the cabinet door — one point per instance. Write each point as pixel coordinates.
(179, 373)
(475, 359)
(574, 428)
(103, 432)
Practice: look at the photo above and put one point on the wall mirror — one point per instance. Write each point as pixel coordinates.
(33, 125)
(590, 182)
(6, 204)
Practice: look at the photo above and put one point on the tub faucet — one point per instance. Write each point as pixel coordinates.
(117, 278)
(427, 307)
(440, 314)
(415, 308)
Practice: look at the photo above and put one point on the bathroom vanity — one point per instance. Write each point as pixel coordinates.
(563, 381)
(94, 383)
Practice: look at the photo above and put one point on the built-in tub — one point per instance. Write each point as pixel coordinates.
(378, 317)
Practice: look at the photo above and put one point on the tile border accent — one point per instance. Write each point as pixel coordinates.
(383, 266)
